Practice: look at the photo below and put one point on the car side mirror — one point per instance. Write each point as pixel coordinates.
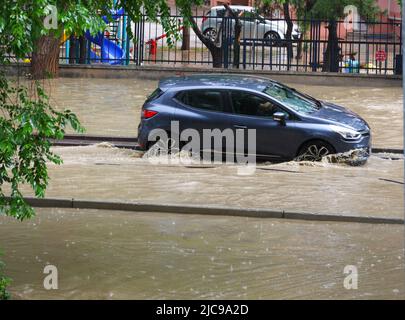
(280, 117)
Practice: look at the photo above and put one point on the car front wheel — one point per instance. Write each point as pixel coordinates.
(272, 38)
(211, 34)
(315, 151)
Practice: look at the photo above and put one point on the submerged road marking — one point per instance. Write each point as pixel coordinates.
(388, 180)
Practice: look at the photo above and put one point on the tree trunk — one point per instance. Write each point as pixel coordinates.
(216, 57)
(185, 43)
(45, 58)
(216, 51)
(72, 49)
(290, 26)
(331, 60)
(299, 47)
(215, 47)
(82, 52)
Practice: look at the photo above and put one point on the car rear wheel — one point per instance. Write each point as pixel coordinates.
(272, 38)
(162, 145)
(211, 34)
(166, 145)
(315, 151)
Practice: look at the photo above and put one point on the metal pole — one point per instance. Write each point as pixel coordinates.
(127, 40)
(67, 48)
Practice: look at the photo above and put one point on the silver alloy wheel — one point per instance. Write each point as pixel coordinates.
(272, 38)
(314, 153)
(211, 34)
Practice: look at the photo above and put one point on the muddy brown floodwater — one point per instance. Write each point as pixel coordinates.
(112, 106)
(121, 255)
(101, 172)
(118, 255)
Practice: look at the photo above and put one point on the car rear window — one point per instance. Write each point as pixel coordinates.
(211, 100)
(155, 94)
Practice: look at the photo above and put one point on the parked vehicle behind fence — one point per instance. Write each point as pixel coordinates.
(254, 26)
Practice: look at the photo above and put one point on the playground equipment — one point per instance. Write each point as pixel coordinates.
(152, 43)
(351, 66)
(104, 50)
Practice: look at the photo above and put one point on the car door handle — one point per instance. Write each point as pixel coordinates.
(240, 127)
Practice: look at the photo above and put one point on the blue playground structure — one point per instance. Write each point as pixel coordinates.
(111, 46)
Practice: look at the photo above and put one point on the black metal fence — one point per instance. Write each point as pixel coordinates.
(365, 46)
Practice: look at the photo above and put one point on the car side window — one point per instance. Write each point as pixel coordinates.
(211, 100)
(252, 105)
(220, 13)
(249, 15)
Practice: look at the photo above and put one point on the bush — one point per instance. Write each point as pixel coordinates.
(4, 283)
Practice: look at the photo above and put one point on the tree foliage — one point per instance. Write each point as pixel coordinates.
(27, 122)
(335, 9)
(4, 283)
(22, 22)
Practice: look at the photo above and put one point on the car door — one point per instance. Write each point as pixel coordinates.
(201, 109)
(260, 27)
(253, 111)
(249, 25)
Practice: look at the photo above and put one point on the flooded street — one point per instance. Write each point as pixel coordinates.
(137, 255)
(112, 106)
(118, 255)
(101, 172)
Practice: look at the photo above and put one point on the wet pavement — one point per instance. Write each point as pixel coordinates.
(111, 107)
(118, 255)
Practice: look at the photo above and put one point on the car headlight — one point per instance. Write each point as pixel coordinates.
(346, 133)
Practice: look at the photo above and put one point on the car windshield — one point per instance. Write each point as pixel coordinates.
(297, 101)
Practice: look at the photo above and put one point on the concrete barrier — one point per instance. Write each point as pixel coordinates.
(206, 210)
(160, 71)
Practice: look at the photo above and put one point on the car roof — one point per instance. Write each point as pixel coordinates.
(242, 8)
(215, 80)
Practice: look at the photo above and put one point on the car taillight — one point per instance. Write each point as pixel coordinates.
(205, 18)
(147, 114)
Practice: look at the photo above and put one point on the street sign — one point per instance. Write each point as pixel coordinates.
(381, 55)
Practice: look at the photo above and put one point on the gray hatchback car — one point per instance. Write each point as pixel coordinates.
(288, 124)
